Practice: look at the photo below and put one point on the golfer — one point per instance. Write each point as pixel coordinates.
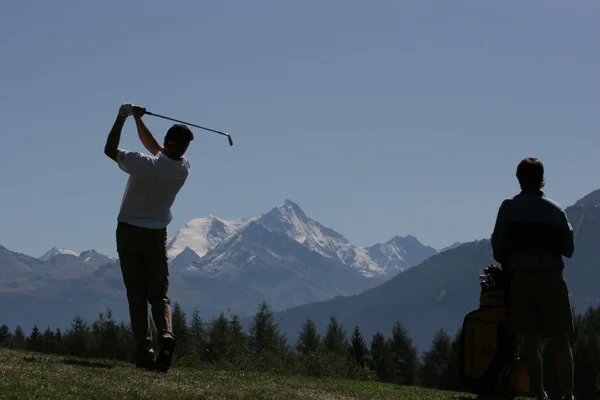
(141, 235)
(531, 235)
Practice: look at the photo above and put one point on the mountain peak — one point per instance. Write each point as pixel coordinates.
(54, 251)
(290, 203)
(92, 257)
(202, 234)
(405, 239)
(293, 207)
(186, 258)
(590, 199)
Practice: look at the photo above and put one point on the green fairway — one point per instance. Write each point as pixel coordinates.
(26, 375)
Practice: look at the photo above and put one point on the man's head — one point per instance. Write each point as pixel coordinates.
(177, 140)
(530, 173)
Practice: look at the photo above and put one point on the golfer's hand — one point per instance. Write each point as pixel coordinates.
(138, 111)
(125, 110)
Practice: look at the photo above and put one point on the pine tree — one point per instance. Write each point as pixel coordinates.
(34, 341)
(451, 375)
(238, 342)
(95, 338)
(18, 339)
(218, 335)
(58, 340)
(380, 358)
(435, 360)
(309, 339)
(110, 336)
(104, 339)
(405, 360)
(5, 335)
(335, 338)
(77, 338)
(197, 333)
(265, 336)
(586, 357)
(126, 344)
(358, 348)
(180, 330)
(49, 341)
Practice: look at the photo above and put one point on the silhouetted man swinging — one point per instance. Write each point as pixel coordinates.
(154, 181)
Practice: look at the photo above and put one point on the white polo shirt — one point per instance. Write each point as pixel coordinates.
(151, 188)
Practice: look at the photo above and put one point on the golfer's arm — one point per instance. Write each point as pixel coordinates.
(498, 233)
(147, 138)
(114, 137)
(568, 239)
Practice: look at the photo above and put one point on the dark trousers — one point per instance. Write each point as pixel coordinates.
(144, 265)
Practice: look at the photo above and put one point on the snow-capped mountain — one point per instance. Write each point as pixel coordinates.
(186, 259)
(95, 259)
(188, 246)
(202, 234)
(56, 251)
(291, 220)
(281, 268)
(380, 260)
(59, 257)
(399, 253)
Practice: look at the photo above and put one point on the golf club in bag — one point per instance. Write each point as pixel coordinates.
(196, 126)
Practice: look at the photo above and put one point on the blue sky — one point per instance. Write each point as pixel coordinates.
(378, 118)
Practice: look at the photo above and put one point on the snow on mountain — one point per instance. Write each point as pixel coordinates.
(380, 260)
(399, 253)
(185, 259)
(280, 267)
(59, 257)
(95, 259)
(57, 251)
(203, 234)
(291, 220)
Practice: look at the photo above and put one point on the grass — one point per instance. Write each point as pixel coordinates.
(25, 375)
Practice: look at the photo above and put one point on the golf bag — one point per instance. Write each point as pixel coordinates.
(488, 362)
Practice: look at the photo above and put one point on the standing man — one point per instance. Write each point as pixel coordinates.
(141, 235)
(531, 235)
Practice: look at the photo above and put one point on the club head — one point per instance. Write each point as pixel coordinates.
(230, 140)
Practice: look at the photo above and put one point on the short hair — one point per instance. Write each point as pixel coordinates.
(530, 173)
(179, 134)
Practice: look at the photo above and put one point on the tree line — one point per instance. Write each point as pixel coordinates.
(222, 343)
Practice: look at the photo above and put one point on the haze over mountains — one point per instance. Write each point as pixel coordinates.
(283, 257)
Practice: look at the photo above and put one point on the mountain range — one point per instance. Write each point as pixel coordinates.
(282, 257)
(199, 236)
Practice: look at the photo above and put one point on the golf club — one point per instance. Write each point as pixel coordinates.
(197, 126)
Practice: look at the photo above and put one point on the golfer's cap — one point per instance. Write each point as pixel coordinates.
(179, 134)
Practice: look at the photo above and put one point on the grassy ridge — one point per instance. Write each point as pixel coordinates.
(26, 375)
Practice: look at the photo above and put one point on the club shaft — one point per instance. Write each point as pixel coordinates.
(186, 123)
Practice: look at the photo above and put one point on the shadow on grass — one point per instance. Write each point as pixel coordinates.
(71, 361)
(88, 364)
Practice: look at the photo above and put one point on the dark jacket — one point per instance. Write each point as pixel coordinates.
(532, 232)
